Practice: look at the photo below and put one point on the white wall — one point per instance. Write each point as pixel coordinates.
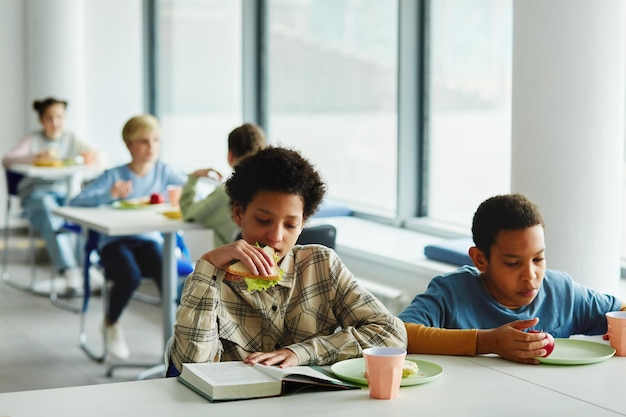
(53, 56)
(568, 130)
(114, 70)
(13, 107)
(111, 56)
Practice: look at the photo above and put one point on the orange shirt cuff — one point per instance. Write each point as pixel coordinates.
(436, 341)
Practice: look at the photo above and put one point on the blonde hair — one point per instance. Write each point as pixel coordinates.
(138, 124)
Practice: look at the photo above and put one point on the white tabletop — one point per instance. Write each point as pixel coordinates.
(65, 171)
(601, 383)
(74, 175)
(466, 388)
(118, 222)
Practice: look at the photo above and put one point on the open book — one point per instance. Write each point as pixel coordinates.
(221, 381)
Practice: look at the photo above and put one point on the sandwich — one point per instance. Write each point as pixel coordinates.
(409, 368)
(257, 282)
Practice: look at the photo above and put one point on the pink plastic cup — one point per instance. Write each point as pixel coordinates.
(383, 370)
(616, 321)
(89, 157)
(173, 194)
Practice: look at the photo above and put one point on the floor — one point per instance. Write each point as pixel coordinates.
(39, 346)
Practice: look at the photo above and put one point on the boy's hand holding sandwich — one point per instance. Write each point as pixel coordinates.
(252, 263)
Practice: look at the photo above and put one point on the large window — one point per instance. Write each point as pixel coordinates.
(198, 79)
(328, 85)
(470, 105)
(332, 93)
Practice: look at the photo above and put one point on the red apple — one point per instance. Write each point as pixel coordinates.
(550, 346)
(157, 198)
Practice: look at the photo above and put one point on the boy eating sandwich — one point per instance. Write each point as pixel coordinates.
(316, 314)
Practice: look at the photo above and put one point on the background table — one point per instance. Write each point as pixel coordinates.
(118, 222)
(55, 172)
(73, 174)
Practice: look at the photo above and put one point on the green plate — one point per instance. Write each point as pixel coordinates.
(353, 370)
(577, 352)
(133, 204)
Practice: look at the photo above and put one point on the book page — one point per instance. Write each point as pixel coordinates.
(302, 373)
(231, 373)
(221, 381)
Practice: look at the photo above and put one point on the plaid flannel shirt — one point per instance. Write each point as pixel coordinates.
(318, 311)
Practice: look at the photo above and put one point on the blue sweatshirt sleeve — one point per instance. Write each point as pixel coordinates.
(97, 192)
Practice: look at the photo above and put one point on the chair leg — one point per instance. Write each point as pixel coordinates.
(149, 299)
(154, 369)
(82, 337)
(55, 299)
(58, 302)
(32, 256)
(5, 253)
(6, 276)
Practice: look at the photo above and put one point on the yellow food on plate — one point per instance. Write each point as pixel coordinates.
(409, 368)
(47, 162)
(135, 202)
(173, 214)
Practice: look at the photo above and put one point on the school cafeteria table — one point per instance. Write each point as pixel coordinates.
(467, 387)
(117, 222)
(601, 384)
(73, 174)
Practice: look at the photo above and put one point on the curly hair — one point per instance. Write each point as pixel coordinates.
(502, 212)
(40, 106)
(280, 170)
(246, 139)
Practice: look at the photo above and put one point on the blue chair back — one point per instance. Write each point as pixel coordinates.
(13, 180)
(184, 264)
(322, 234)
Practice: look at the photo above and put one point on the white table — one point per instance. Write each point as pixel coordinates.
(117, 222)
(601, 384)
(466, 388)
(73, 174)
(55, 172)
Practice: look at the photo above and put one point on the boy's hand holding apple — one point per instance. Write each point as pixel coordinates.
(512, 342)
(548, 347)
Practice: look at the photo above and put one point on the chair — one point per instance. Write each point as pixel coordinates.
(184, 267)
(91, 258)
(12, 181)
(323, 234)
(55, 298)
